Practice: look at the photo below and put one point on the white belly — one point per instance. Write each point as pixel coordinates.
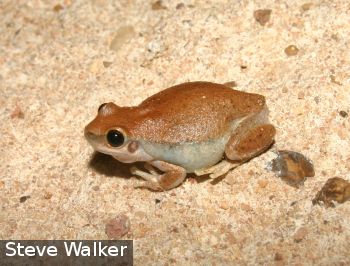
(191, 156)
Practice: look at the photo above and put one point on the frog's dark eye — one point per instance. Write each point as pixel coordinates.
(115, 138)
(101, 106)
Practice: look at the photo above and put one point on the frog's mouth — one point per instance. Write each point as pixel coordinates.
(97, 142)
(123, 154)
(128, 153)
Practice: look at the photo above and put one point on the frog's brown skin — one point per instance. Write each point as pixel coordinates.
(185, 128)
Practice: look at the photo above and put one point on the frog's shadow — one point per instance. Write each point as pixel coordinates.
(110, 167)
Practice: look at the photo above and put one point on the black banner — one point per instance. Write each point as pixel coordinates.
(66, 252)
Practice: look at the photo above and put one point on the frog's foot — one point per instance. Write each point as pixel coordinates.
(150, 179)
(217, 170)
(173, 176)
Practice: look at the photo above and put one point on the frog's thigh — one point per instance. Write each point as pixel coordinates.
(173, 175)
(250, 143)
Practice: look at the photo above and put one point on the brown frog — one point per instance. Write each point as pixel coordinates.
(199, 127)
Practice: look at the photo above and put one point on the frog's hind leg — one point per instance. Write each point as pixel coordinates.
(251, 143)
(172, 177)
(218, 169)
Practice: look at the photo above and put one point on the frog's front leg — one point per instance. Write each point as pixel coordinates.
(250, 143)
(172, 177)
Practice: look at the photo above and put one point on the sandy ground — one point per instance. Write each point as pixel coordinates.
(59, 60)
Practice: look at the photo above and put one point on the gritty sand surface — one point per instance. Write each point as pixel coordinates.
(57, 66)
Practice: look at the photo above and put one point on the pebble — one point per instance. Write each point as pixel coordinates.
(335, 189)
(117, 227)
(292, 167)
(106, 64)
(47, 195)
(291, 50)
(334, 80)
(158, 5)
(23, 199)
(262, 16)
(343, 113)
(300, 234)
(57, 8)
(306, 6)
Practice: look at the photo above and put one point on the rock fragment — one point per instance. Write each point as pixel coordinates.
(23, 199)
(335, 189)
(158, 5)
(306, 7)
(292, 167)
(117, 227)
(57, 8)
(343, 113)
(262, 16)
(291, 50)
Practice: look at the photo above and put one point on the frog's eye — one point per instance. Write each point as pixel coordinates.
(101, 106)
(115, 138)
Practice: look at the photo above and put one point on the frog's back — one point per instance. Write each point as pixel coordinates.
(192, 112)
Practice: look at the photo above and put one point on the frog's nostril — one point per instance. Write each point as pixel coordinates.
(89, 135)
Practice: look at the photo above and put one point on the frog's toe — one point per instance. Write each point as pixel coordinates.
(151, 169)
(217, 170)
(222, 171)
(204, 171)
(150, 179)
(144, 175)
(134, 170)
(172, 176)
(147, 184)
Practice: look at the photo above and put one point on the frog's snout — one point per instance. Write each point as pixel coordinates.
(93, 138)
(89, 134)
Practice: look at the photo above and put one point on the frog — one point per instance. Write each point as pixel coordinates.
(197, 127)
